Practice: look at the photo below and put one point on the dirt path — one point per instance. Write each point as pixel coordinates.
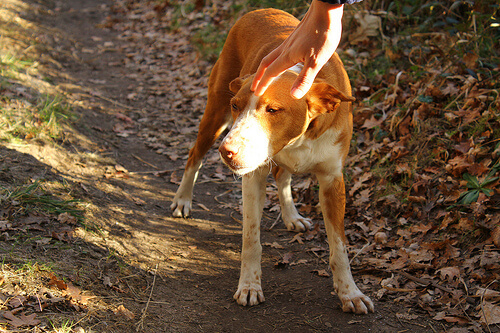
(179, 273)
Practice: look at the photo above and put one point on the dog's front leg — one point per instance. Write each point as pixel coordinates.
(332, 199)
(254, 192)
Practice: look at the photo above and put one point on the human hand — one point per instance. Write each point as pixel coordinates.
(313, 42)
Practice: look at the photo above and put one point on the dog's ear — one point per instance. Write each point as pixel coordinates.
(323, 98)
(237, 83)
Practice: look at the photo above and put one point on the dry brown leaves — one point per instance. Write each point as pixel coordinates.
(55, 293)
(419, 127)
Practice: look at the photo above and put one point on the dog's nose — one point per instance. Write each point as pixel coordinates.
(228, 152)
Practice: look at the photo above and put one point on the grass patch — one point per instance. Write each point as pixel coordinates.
(22, 120)
(30, 107)
(209, 42)
(33, 197)
(10, 64)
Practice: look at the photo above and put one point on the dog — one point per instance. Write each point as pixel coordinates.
(279, 134)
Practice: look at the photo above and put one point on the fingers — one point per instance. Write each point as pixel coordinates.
(258, 75)
(305, 80)
(268, 70)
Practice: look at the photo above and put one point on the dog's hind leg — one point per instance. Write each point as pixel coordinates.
(214, 121)
(293, 220)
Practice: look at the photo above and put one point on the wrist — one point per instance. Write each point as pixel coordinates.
(327, 5)
(327, 10)
(336, 3)
(326, 14)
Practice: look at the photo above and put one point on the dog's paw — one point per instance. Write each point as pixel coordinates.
(181, 207)
(249, 294)
(356, 302)
(297, 223)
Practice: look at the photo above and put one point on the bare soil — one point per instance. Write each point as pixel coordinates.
(173, 275)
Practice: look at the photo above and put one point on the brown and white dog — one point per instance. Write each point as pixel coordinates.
(277, 133)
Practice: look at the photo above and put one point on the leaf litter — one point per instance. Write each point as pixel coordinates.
(423, 168)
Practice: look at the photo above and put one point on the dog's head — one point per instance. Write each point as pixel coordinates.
(264, 125)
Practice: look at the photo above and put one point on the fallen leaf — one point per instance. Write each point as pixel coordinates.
(490, 314)
(368, 26)
(449, 273)
(54, 281)
(76, 294)
(321, 272)
(22, 320)
(121, 310)
(451, 319)
(17, 301)
(372, 122)
(274, 245)
(66, 218)
(284, 261)
(107, 281)
(495, 235)
(297, 238)
(488, 294)
(5, 225)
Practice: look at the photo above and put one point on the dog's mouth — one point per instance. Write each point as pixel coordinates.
(240, 170)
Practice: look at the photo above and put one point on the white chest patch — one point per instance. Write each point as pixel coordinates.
(306, 155)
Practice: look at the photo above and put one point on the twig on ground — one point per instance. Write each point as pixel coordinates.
(423, 281)
(237, 220)
(216, 198)
(156, 173)
(275, 222)
(140, 323)
(359, 252)
(147, 163)
(112, 101)
(482, 305)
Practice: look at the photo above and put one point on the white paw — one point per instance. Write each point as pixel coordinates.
(297, 223)
(181, 207)
(249, 294)
(356, 302)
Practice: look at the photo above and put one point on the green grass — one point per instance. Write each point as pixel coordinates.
(33, 197)
(209, 42)
(26, 113)
(30, 267)
(10, 64)
(21, 119)
(65, 326)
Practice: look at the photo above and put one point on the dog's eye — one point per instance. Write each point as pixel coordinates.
(234, 107)
(271, 110)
